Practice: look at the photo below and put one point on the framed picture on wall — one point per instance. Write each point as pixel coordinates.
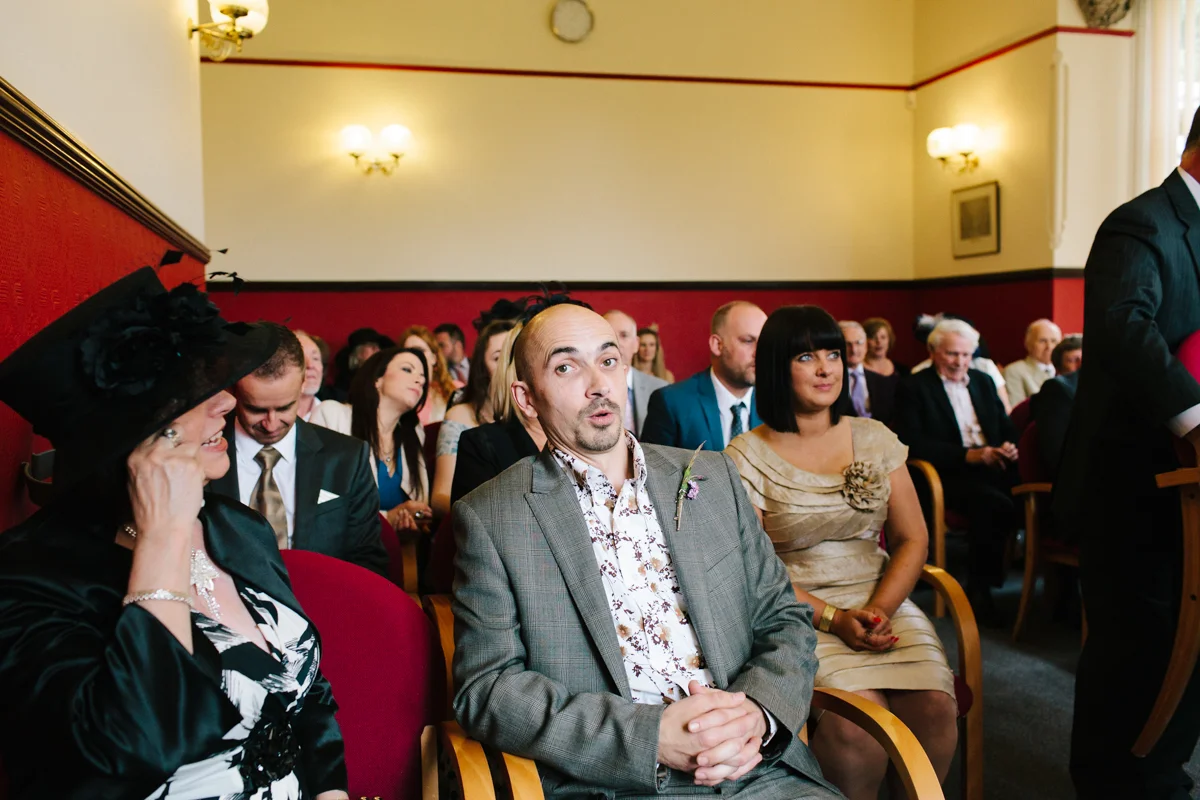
(975, 220)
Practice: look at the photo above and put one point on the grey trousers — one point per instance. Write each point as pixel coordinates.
(776, 782)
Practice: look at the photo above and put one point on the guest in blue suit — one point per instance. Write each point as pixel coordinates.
(712, 407)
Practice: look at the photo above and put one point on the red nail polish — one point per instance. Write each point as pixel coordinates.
(895, 638)
(878, 620)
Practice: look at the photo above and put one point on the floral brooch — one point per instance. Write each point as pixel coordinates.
(864, 487)
(689, 487)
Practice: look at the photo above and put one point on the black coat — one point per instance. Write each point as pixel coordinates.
(346, 527)
(101, 701)
(1141, 300)
(1051, 410)
(881, 393)
(486, 451)
(925, 419)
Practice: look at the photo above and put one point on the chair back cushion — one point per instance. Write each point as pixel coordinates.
(440, 569)
(1029, 460)
(379, 654)
(1020, 415)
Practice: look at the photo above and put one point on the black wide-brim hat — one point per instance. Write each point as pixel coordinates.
(121, 366)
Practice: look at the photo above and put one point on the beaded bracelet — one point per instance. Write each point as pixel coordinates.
(157, 594)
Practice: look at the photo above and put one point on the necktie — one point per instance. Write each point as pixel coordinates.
(266, 498)
(735, 427)
(630, 423)
(858, 394)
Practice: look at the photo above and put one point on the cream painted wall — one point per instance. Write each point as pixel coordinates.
(533, 178)
(122, 76)
(849, 40)
(536, 178)
(947, 33)
(1010, 99)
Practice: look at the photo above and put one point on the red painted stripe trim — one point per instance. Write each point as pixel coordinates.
(645, 77)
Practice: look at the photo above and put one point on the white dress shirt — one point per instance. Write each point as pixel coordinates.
(964, 412)
(249, 471)
(1183, 424)
(725, 403)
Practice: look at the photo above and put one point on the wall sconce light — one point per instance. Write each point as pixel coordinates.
(232, 23)
(955, 147)
(381, 156)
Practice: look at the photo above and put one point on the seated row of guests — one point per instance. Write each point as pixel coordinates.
(872, 394)
(1023, 378)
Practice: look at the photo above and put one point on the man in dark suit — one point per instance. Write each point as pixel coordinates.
(1141, 300)
(716, 405)
(312, 484)
(869, 393)
(952, 417)
(1051, 407)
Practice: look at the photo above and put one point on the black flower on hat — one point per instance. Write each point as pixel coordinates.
(125, 352)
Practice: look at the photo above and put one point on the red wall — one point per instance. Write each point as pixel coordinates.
(59, 243)
(1001, 310)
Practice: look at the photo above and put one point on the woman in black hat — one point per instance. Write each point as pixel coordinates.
(151, 644)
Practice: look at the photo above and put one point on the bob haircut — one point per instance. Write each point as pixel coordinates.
(788, 332)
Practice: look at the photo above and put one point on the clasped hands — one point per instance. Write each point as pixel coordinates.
(715, 735)
(996, 457)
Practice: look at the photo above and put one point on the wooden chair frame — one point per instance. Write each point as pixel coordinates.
(1034, 554)
(1186, 648)
(912, 765)
(937, 525)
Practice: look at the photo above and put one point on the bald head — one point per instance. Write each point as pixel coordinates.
(1041, 337)
(571, 379)
(856, 342)
(626, 329)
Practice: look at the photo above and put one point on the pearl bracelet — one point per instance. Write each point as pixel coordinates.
(157, 594)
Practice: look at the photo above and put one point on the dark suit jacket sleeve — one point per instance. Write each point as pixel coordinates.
(474, 465)
(599, 738)
(659, 427)
(1052, 413)
(365, 548)
(780, 672)
(913, 427)
(1124, 278)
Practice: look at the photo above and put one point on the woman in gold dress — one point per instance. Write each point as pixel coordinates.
(824, 484)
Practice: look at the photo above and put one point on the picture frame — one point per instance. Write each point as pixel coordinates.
(975, 220)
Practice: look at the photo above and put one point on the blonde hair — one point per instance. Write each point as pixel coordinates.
(500, 388)
(440, 379)
(658, 366)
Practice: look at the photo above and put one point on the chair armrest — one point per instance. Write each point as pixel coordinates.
(408, 564)
(437, 608)
(521, 776)
(970, 669)
(1032, 488)
(937, 509)
(905, 752)
(429, 763)
(466, 763)
(1178, 477)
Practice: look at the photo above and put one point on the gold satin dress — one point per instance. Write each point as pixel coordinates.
(826, 530)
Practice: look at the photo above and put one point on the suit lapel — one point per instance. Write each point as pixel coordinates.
(712, 414)
(308, 485)
(227, 484)
(755, 421)
(662, 484)
(1188, 211)
(557, 511)
(942, 400)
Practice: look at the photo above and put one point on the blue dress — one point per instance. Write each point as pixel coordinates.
(390, 493)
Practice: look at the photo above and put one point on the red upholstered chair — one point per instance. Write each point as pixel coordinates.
(379, 653)
(1039, 549)
(1186, 649)
(1021, 415)
(440, 569)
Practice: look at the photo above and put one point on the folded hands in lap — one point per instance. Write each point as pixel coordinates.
(713, 734)
(864, 629)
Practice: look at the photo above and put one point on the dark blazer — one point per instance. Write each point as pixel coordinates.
(881, 391)
(925, 419)
(346, 527)
(1141, 300)
(535, 639)
(486, 451)
(1051, 410)
(685, 414)
(102, 701)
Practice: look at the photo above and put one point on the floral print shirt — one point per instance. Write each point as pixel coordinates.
(658, 643)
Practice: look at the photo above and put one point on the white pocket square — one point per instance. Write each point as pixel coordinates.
(325, 496)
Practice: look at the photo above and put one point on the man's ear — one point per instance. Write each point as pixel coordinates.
(523, 398)
(715, 346)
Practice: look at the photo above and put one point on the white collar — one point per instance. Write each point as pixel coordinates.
(859, 370)
(247, 444)
(1192, 184)
(726, 398)
(629, 378)
(966, 381)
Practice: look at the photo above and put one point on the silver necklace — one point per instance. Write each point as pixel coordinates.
(204, 576)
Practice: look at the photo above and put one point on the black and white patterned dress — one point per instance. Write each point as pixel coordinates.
(266, 687)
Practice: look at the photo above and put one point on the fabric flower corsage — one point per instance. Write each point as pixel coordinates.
(864, 487)
(689, 487)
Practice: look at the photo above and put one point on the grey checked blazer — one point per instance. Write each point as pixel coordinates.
(537, 659)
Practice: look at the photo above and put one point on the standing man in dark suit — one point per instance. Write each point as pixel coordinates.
(312, 484)
(713, 406)
(1141, 299)
(870, 394)
(1051, 407)
(639, 386)
(953, 417)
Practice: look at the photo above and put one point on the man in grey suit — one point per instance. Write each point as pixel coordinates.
(638, 385)
(632, 642)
